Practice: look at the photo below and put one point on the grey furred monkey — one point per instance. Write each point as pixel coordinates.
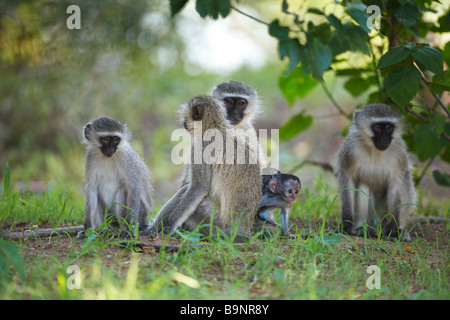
(117, 180)
(232, 190)
(373, 158)
(242, 104)
(279, 190)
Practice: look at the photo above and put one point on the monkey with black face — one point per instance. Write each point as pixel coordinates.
(241, 104)
(117, 180)
(373, 158)
(279, 190)
(214, 186)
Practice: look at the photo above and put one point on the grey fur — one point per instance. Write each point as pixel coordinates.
(220, 92)
(384, 176)
(232, 191)
(122, 178)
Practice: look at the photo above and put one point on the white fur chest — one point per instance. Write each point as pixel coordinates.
(376, 169)
(106, 179)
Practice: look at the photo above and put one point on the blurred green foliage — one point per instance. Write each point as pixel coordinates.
(393, 55)
(53, 80)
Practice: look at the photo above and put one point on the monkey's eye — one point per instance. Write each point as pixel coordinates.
(228, 101)
(115, 139)
(242, 102)
(105, 139)
(389, 127)
(378, 127)
(290, 190)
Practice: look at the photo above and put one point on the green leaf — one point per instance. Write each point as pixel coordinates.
(287, 47)
(278, 31)
(402, 85)
(431, 58)
(295, 125)
(426, 145)
(438, 85)
(360, 17)
(292, 49)
(357, 85)
(446, 53)
(436, 123)
(357, 39)
(296, 84)
(315, 11)
(319, 58)
(176, 6)
(213, 8)
(442, 179)
(407, 14)
(335, 22)
(348, 37)
(393, 56)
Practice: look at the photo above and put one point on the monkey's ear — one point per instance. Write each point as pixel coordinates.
(87, 131)
(273, 185)
(197, 112)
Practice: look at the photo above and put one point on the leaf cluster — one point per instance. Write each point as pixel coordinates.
(314, 41)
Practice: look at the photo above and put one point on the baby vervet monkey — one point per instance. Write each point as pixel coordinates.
(118, 183)
(373, 158)
(279, 191)
(223, 193)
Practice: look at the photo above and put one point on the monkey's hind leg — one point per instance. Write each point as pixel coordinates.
(264, 214)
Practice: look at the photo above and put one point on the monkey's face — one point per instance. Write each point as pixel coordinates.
(235, 108)
(109, 145)
(382, 134)
(289, 190)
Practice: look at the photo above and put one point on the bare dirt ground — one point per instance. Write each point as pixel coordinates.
(427, 233)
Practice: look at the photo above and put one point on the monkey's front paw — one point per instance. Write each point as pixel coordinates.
(81, 235)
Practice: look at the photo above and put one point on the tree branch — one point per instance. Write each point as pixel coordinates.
(425, 169)
(324, 165)
(247, 15)
(438, 99)
(41, 232)
(335, 103)
(421, 117)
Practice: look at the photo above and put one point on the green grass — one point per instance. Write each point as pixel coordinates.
(321, 266)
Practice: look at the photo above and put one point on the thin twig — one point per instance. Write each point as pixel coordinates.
(438, 99)
(421, 117)
(335, 103)
(251, 17)
(324, 165)
(425, 169)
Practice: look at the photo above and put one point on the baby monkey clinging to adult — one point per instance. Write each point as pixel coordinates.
(280, 190)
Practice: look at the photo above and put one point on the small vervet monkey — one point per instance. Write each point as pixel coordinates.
(373, 158)
(279, 190)
(118, 182)
(232, 190)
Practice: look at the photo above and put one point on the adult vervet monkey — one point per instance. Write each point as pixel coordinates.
(118, 182)
(242, 105)
(226, 193)
(373, 158)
